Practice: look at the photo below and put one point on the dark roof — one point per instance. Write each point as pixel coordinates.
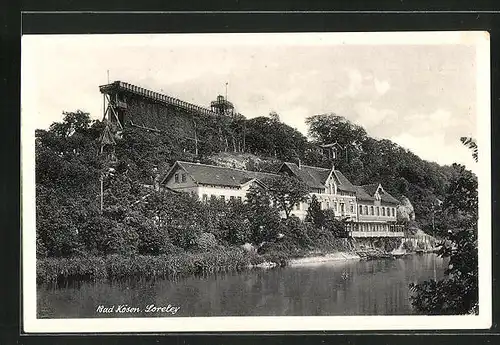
(219, 176)
(389, 198)
(370, 188)
(343, 183)
(316, 177)
(361, 194)
(312, 176)
(107, 137)
(367, 192)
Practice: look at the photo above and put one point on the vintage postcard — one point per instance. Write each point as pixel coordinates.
(256, 182)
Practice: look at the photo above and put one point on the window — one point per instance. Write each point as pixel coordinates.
(342, 208)
(204, 198)
(223, 198)
(360, 209)
(352, 208)
(335, 206)
(231, 198)
(183, 178)
(383, 211)
(212, 197)
(239, 198)
(372, 210)
(327, 205)
(176, 177)
(393, 211)
(366, 209)
(378, 211)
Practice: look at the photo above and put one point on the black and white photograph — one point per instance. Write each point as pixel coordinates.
(256, 182)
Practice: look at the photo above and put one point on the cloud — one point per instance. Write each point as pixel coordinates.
(434, 147)
(381, 86)
(355, 84)
(369, 116)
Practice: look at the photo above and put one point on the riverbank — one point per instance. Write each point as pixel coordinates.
(120, 267)
(318, 259)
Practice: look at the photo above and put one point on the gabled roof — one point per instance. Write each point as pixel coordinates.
(343, 183)
(361, 194)
(316, 177)
(389, 198)
(370, 188)
(216, 175)
(107, 137)
(367, 192)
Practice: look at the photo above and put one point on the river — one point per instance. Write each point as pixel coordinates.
(377, 287)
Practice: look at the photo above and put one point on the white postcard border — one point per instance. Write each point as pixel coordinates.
(265, 323)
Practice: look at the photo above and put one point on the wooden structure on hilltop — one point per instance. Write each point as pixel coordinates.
(127, 105)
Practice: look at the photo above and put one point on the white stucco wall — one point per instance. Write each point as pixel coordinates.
(190, 186)
(329, 201)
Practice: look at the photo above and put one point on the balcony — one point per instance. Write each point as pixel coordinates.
(373, 229)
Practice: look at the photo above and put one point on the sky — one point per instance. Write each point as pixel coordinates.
(418, 93)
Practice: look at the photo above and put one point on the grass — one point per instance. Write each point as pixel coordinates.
(118, 267)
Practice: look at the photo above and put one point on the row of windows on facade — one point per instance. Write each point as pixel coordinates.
(335, 207)
(298, 207)
(331, 191)
(376, 228)
(363, 209)
(221, 197)
(306, 206)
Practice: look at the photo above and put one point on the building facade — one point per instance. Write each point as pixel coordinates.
(212, 182)
(331, 188)
(375, 204)
(369, 210)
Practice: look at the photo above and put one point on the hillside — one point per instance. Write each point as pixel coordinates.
(67, 161)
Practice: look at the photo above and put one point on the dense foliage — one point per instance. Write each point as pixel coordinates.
(458, 292)
(138, 221)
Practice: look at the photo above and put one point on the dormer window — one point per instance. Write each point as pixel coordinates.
(176, 178)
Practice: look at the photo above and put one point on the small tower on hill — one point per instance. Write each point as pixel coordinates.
(222, 106)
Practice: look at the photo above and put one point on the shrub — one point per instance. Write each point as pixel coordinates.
(296, 231)
(206, 241)
(408, 245)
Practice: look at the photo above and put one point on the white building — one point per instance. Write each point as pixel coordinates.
(332, 189)
(369, 204)
(212, 182)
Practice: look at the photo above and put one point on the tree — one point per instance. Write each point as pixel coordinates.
(274, 116)
(287, 192)
(265, 136)
(458, 292)
(471, 144)
(330, 128)
(66, 171)
(314, 213)
(264, 219)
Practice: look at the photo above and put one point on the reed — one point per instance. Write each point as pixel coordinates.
(119, 267)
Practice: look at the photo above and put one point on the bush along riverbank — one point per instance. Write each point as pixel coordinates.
(286, 252)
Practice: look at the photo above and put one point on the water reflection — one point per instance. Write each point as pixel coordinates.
(335, 288)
